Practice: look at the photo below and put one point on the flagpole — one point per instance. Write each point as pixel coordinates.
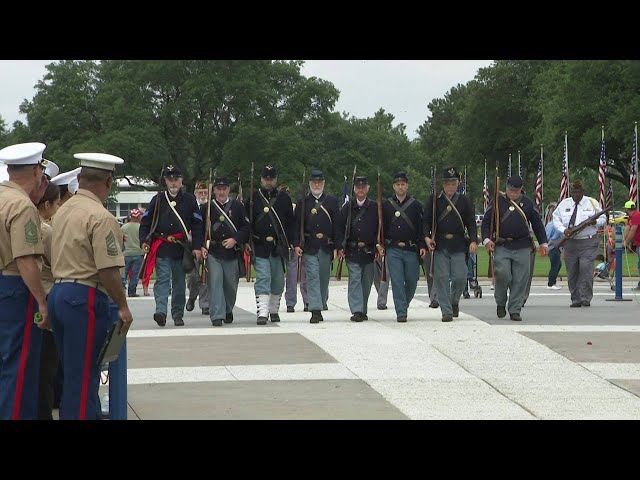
(566, 149)
(637, 199)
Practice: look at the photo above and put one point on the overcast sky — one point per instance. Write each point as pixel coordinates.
(402, 87)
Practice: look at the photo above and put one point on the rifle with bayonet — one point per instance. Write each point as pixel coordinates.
(383, 258)
(207, 232)
(434, 223)
(302, 215)
(347, 228)
(250, 241)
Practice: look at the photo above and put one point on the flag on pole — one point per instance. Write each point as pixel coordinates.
(539, 180)
(345, 192)
(485, 189)
(509, 167)
(602, 171)
(609, 196)
(564, 182)
(633, 170)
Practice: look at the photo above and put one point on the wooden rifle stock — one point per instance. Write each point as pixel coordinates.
(302, 215)
(383, 260)
(251, 253)
(581, 226)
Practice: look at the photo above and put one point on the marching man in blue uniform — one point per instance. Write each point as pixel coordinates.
(272, 230)
(86, 258)
(23, 307)
(321, 236)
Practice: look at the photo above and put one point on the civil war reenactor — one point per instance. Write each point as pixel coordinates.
(449, 229)
(23, 307)
(321, 235)
(177, 234)
(359, 246)
(198, 289)
(291, 283)
(512, 248)
(271, 231)
(86, 259)
(404, 243)
(224, 254)
(581, 248)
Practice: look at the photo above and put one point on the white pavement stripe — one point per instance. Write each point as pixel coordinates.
(570, 328)
(197, 332)
(308, 371)
(611, 371)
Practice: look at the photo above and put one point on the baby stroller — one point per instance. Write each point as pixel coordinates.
(605, 274)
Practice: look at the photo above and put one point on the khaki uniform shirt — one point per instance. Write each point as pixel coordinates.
(19, 226)
(47, 276)
(86, 238)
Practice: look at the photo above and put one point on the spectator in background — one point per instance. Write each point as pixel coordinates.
(555, 253)
(632, 231)
(132, 252)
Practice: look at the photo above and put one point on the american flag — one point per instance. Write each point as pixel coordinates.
(538, 199)
(633, 170)
(564, 182)
(602, 170)
(609, 196)
(485, 189)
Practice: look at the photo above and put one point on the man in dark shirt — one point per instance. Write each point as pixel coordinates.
(179, 227)
(271, 230)
(359, 246)
(450, 236)
(229, 233)
(404, 243)
(512, 247)
(321, 236)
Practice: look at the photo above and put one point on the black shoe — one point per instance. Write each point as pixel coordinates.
(465, 294)
(382, 307)
(515, 317)
(275, 317)
(447, 318)
(178, 322)
(229, 318)
(306, 307)
(585, 303)
(456, 310)
(316, 316)
(501, 311)
(160, 318)
(365, 317)
(402, 319)
(262, 320)
(205, 311)
(434, 304)
(576, 305)
(325, 309)
(191, 303)
(217, 322)
(133, 295)
(290, 309)
(357, 317)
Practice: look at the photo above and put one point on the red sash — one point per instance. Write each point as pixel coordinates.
(150, 264)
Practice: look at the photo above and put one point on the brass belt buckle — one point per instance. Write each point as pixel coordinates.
(402, 244)
(269, 239)
(171, 239)
(360, 244)
(449, 236)
(319, 235)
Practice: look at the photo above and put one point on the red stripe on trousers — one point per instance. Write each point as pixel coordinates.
(22, 366)
(88, 351)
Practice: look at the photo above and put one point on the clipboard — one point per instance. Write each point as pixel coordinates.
(112, 344)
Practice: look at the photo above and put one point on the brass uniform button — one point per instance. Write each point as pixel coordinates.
(314, 211)
(397, 213)
(266, 209)
(172, 203)
(221, 218)
(512, 208)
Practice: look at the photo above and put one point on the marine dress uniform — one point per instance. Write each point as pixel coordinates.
(272, 232)
(86, 238)
(321, 236)
(20, 338)
(455, 231)
(360, 249)
(512, 257)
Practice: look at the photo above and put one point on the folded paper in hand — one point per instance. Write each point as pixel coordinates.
(112, 344)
